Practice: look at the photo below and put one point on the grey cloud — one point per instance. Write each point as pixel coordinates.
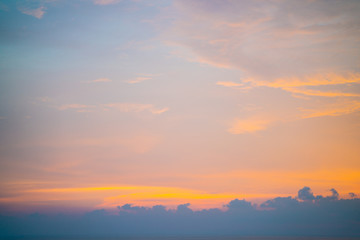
(335, 194)
(239, 205)
(325, 216)
(305, 194)
(352, 195)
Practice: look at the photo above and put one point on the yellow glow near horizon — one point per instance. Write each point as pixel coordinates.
(261, 185)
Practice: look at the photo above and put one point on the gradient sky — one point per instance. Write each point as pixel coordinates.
(108, 102)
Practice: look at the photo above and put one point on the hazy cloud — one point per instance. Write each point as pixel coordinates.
(106, 2)
(37, 12)
(273, 39)
(277, 44)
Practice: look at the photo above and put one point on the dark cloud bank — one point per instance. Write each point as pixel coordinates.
(305, 215)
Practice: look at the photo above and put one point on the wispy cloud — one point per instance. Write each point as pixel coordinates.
(99, 80)
(239, 86)
(296, 52)
(77, 107)
(37, 12)
(263, 42)
(241, 126)
(229, 84)
(336, 109)
(138, 79)
(106, 2)
(318, 93)
(44, 99)
(302, 86)
(135, 107)
(118, 106)
(142, 77)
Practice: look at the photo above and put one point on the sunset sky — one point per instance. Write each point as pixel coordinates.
(109, 102)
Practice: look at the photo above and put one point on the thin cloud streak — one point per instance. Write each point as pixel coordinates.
(99, 80)
(138, 79)
(122, 107)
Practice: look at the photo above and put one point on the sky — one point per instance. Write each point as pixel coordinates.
(105, 103)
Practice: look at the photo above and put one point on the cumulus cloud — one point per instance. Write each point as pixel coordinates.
(239, 205)
(305, 194)
(334, 194)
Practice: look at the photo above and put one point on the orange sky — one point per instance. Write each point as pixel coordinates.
(105, 103)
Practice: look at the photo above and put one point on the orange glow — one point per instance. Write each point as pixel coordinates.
(260, 186)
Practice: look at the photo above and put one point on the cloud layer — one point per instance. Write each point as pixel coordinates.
(304, 215)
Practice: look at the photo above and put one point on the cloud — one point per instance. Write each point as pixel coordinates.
(352, 195)
(305, 194)
(135, 107)
(77, 107)
(335, 109)
(239, 205)
(276, 44)
(138, 79)
(100, 80)
(335, 194)
(122, 107)
(233, 85)
(327, 216)
(241, 126)
(37, 12)
(106, 2)
(280, 203)
(184, 209)
(270, 40)
(303, 85)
